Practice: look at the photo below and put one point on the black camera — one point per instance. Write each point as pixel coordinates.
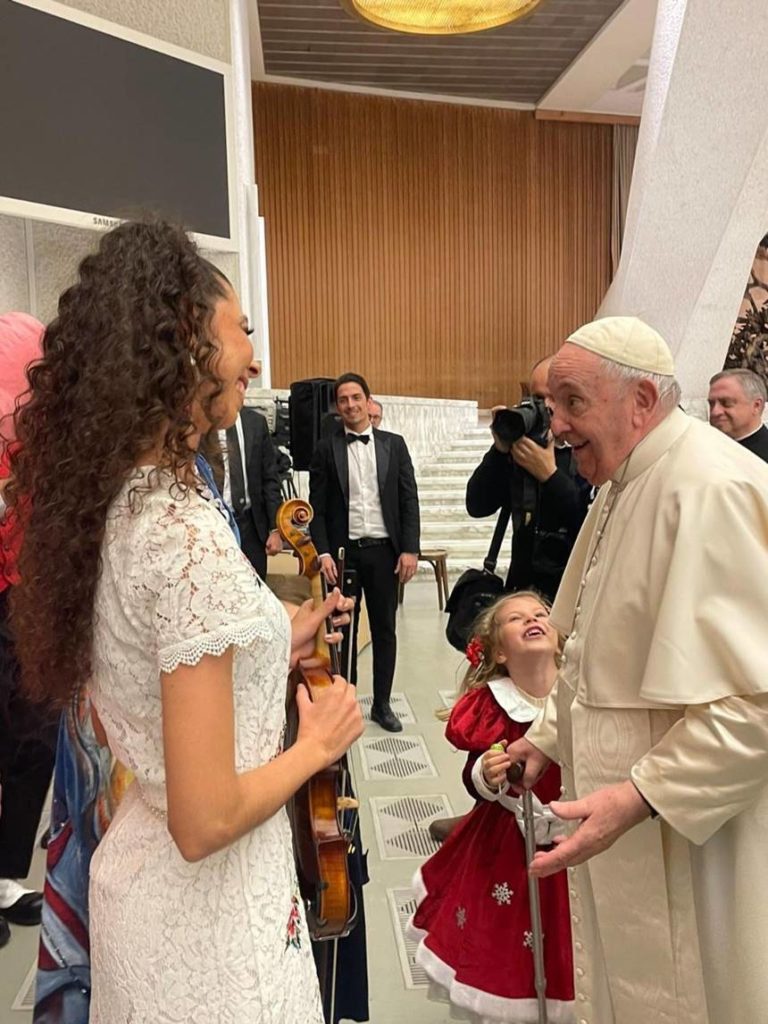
(529, 419)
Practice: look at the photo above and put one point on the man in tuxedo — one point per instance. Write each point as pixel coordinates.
(736, 403)
(363, 492)
(252, 487)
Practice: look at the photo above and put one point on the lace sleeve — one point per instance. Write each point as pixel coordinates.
(208, 597)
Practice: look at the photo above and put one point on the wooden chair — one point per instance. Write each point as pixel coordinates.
(437, 559)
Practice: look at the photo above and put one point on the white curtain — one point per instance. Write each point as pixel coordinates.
(624, 146)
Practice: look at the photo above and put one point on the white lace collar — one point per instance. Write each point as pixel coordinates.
(519, 706)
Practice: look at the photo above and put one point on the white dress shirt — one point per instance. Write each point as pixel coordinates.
(365, 515)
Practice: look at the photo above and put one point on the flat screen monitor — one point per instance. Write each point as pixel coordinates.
(98, 126)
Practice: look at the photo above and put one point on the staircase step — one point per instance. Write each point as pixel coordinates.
(460, 553)
(454, 470)
(453, 513)
(453, 485)
(451, 455)
(461, 530)
(451, 496)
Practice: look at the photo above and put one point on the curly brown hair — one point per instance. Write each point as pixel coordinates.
(123, 362)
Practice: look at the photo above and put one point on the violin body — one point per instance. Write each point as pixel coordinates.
(320, 841)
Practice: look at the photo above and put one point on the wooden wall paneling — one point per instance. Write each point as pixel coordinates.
(437, 249)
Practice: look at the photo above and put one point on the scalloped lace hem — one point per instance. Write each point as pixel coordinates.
(190, 652)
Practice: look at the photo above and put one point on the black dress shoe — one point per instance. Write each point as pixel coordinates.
(384, 716)
(5, 932)
(26, 910)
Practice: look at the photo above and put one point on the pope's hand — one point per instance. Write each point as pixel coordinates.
(605, 816)
(535, 762)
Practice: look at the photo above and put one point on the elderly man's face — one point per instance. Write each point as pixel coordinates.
(374, 412)
(595, 414)
(731, 411)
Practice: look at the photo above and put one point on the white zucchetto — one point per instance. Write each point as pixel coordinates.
(628, 341)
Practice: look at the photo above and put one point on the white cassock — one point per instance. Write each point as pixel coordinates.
(665, 681)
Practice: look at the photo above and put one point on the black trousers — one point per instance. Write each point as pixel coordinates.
(27, 753)
(376, 580)
(252, 546)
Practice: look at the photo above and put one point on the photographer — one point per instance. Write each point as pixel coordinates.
(536, 481)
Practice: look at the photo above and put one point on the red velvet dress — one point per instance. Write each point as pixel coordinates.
(473, 919)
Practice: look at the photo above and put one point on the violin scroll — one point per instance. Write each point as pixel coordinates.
(292, 521)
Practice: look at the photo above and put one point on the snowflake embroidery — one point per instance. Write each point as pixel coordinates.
(293, 929)
(502, 893)
(461, 917)
(528, 940)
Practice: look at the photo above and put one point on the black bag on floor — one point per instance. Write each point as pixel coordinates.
(474, 590)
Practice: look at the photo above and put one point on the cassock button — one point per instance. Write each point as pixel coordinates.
(582, 997)
(575, 918)
(579, 972)
(574, 894)
(563, 791)
(579, 946)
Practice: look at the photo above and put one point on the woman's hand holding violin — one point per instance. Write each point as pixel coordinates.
(330, 722)
(307, 620)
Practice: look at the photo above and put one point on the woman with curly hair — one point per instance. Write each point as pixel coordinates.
(133, 585)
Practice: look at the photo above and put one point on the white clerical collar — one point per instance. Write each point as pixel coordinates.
(519, 706)
(652, 447)
(752, 433)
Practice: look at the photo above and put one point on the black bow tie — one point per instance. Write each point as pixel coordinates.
(365, 438)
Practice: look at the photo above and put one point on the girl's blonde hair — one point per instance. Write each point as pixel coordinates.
(485, 638)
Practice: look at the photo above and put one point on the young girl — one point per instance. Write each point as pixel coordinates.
(473, 920)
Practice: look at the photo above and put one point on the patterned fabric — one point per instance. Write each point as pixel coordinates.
(81, 811)
(174, 941)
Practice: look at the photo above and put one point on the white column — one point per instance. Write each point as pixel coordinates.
(699, 200)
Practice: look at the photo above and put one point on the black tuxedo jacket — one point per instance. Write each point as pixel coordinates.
(261, 472)
(329, 492)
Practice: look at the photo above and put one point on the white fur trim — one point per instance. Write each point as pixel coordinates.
(490, 1009)
(482, 787)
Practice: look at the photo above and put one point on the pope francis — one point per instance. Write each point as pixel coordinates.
(659, 718)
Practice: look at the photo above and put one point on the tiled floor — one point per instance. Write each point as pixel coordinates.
(423, 781)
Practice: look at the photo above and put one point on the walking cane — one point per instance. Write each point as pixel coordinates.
(514, 774)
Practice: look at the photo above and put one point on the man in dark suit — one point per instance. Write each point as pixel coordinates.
(363, 492)
(252, 487)
(736, 403)
(544, 494)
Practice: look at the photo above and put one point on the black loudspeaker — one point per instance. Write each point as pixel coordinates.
(309, 404)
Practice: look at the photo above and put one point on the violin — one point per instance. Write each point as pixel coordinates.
(320, 841)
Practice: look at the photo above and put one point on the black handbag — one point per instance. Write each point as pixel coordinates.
(474, 590)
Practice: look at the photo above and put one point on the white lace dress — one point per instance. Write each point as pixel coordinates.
(224, 940)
